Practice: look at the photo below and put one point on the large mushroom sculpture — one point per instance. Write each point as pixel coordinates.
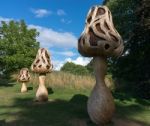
(100, 40)
(42, 65)
(24, 77)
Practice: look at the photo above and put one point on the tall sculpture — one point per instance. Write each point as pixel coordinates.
(42, 65)
(100, 40)
(24, 77)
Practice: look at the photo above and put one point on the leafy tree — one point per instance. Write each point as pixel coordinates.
(123, 15)
(74, 69)
(18, 46)
(89, 67)
(132, 19)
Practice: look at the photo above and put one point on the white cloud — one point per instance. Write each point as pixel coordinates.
(68, 53)
(39, 13)
(51, 38)
(5, 19)
(64, 53)
(57, 64)
(61, 12)
(79, 61)
(65, 21)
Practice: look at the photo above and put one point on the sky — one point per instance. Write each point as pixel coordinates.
(59, 22)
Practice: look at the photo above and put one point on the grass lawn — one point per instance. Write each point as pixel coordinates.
(66, 107)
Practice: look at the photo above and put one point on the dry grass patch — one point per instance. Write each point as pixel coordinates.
(64, 79)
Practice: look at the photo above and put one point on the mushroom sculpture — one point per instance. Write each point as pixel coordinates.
(24, 77)
(100, 40)
(42, 65)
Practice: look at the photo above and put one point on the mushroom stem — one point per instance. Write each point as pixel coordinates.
(42, 93)
(23, 88)
(100, 103)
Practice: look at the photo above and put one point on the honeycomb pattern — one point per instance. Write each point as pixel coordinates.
(99, 36)
(24, 75)
(42, 62)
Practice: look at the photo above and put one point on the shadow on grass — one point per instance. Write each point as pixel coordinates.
(7, 84)
(143, 102)
(125, 112)
(52, 113)
(59, 112)
(7, 81)
(50, 90)
(124, 97)
(29, 88)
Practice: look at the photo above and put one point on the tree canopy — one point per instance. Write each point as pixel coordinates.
(75, 69)
(132, 19)
(18, 46)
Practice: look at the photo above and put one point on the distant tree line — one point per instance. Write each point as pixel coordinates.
(75, 69)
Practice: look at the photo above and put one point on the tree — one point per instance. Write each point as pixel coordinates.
(132, 19)
(89, 67)
(18, 46)
(74, 69)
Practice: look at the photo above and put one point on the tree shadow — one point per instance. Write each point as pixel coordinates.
(127, 97)
(7, 84)
(144, 102)
(29, 88)
(121, 96)
(57, 112)
(7, 81)
(50, 90)
(52, 113)
(124, 113)
(2, 122)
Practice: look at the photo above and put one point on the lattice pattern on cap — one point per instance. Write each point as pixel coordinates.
(24, 75)
(42, 62)
(99, 36)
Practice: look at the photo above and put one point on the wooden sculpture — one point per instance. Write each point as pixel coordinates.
(24, 77)
(42, 65)
(100, 40)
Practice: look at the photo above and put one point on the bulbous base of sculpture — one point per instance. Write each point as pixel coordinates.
(42, 93)
(100, 105)
(24, 88)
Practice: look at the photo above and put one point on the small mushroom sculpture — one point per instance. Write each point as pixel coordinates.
(42, 65)
(100, 40)
(24, 77)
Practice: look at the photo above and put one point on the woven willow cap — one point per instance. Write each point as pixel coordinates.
(100, 36)
(24, 75)
(42, 62)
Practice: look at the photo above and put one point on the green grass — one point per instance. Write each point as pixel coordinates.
(133, 108)
(66, 107)
(20, 108)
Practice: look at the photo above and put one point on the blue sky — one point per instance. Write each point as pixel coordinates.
(60, 23)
